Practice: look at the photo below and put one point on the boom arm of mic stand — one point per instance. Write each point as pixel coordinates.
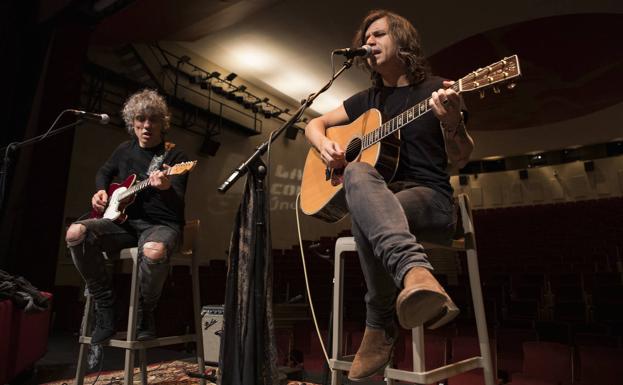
(17, 145)
(243, 168)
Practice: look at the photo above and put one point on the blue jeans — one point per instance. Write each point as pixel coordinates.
(104, 235)
(384, 221)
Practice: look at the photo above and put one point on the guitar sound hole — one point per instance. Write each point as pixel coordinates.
(353, 150)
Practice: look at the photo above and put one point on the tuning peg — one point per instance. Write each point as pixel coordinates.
(510, 86)
(496, 89)
(482, 94)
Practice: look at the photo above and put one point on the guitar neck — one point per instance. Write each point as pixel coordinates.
(137, 187)
(401, 120)
(501, 71)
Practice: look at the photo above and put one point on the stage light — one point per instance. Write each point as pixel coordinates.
(231, 76)
(196, 79)
(214, 74)
(291, 132)
(232, 94)
(218, 90)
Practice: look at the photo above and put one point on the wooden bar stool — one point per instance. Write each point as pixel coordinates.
(184, 256)
(466, 242)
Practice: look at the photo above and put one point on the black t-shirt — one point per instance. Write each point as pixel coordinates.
(151, 204)
(423, 157)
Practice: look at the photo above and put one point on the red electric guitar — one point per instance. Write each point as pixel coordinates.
(121, 195)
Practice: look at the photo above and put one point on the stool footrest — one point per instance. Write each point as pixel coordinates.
(137, 345)
(437, 374)
(344, 364)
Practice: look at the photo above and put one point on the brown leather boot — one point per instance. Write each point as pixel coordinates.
(448, 313)
(374, 353)
(423, 300)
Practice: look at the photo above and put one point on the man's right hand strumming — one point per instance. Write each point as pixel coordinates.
(99, 201)
(330, 151)
(332, 154)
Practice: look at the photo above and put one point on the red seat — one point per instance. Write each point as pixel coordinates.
(463, 347)
(6, 317)
(510, 341)
(546, 362)
(283, 340)
(522, 379)
(600, 365)
(314, 359)
(27, 339)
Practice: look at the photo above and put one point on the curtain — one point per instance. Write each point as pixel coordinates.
(248, 352)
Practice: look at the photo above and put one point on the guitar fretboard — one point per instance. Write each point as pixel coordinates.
(178, 169)
(400, 120)
(134, 189)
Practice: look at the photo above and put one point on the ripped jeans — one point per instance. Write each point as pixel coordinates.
(103, 235)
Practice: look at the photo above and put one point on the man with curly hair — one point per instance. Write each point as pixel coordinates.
(155, 218)
(387, 218)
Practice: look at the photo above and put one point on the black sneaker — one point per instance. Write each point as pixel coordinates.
(94, 358)
(104, 325)
(146, 325)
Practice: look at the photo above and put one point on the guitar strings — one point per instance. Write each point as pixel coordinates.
(425, 103)
(366, 140)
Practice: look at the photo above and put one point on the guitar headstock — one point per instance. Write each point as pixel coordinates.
(182, 168)
(499, 72)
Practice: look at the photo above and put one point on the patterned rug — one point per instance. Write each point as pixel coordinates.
(165, 373)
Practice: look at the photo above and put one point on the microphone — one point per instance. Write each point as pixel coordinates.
(101, 118)
(363, 51)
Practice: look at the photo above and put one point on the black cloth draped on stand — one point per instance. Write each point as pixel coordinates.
(248, 353)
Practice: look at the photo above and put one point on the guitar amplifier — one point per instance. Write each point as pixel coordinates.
(212, 329)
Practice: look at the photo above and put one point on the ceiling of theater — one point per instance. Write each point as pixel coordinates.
(570, 51)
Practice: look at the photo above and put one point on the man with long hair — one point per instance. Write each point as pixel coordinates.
(387, 218)
(155, 218)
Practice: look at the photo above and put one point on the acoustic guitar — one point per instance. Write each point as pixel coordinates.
(369, 140)
(121, 195)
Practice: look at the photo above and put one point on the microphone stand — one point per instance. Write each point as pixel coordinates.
(258, 243)
(11, 147)
(243, 168)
